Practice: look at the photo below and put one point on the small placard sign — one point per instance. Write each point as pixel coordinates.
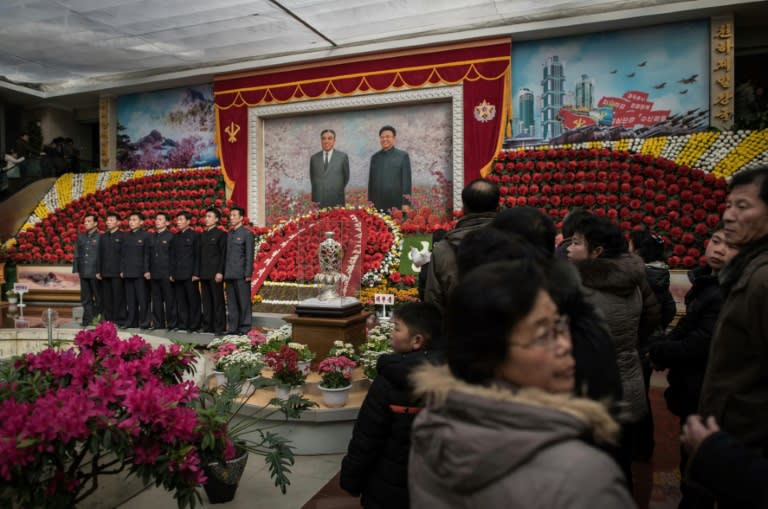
(386, 299)
(20, 287)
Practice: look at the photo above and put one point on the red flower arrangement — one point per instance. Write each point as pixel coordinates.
(53, 239)
(421, 220)
(285, 366)
(289, 252)
(634, 190)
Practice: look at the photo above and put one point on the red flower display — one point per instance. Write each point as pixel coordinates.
(370, 240)
(636, 190)
(53, 239)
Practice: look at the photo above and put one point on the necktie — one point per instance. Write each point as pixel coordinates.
(325, 162)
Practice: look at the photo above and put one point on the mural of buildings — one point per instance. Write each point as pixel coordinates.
(584, 93)
(526, 123)
(553, 93)
(611, 85)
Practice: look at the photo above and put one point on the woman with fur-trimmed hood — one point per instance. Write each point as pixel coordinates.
(500, 427)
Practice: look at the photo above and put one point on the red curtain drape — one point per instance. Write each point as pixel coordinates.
(483, 135)
(232, 140)
(482, 69)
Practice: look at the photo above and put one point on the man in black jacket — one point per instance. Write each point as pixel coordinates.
(163, 297)
(87, 265)
(213, 250)
(185, 270)
(480, 200)
(134, 269)
(110, 257)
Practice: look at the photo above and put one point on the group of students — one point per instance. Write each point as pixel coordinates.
(522, 381)
(165, 280)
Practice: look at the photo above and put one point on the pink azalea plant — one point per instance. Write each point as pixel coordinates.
(107, 405)
(336, 372)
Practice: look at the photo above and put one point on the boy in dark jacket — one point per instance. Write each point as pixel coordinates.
(376, 464)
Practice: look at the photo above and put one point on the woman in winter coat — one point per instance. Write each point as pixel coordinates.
(500, 427)
(615, 283)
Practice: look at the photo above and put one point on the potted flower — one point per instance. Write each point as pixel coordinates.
(12, 297)
(240, 351)
(285, 371)
(336, 373)
(377, 345)
(341, 348)
(305, 356)
(107, 405)
(246, 364)
(227, 436)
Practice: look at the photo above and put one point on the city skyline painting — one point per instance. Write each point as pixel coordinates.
(611, 85)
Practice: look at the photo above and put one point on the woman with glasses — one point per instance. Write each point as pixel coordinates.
(500, 427)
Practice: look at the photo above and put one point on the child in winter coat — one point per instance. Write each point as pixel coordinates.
(376, 465)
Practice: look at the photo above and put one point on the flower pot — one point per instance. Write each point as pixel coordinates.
(335, 398)
(224, 477)
(285, 391)
(304, 366)
(13, 300)
(220, 377)
(247, 388)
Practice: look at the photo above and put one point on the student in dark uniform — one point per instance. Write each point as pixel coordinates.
(86, 264)
(213, 249)
(163, 296)
(134, 268)
(112, 288)
(237, 273)
(185, 270)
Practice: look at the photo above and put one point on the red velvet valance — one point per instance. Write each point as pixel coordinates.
(482, 69)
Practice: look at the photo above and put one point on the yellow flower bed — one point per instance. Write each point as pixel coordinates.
(721, 153)
(654, 146)
(750, 147)
(697, 145)
(90, 183)
(64, 189)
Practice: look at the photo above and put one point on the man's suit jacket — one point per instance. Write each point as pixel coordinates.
(136, 254)
(111, 253)
(213, 249)
(239, 258)
(328, 183)
(186, 255)
(162, 255)
(87, 260)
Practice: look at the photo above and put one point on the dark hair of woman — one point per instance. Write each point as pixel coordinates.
(487, 304)
(650, 247)
(488, 245)
(532, 224)
(600, 232)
